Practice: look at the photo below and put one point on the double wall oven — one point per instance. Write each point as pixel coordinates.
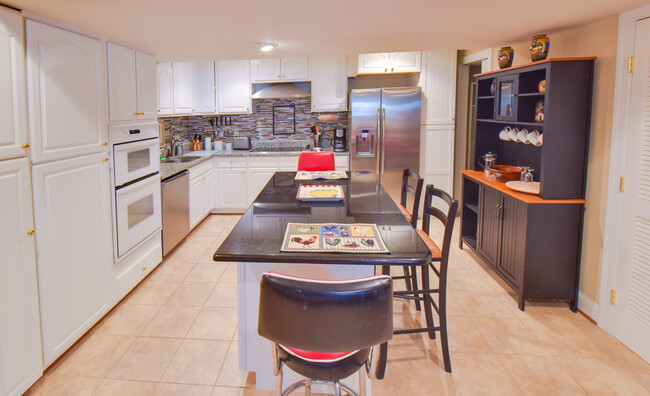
(136, 186)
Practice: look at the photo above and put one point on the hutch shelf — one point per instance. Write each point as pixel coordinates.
(532, 242)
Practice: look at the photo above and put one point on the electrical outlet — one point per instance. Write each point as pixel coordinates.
(236, 134)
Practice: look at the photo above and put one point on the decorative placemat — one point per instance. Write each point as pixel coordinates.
(329, 175)
(320, 193)
(333, 237)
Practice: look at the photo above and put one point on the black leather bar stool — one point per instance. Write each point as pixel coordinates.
(439, 264)
(325, 330)
(411, 185)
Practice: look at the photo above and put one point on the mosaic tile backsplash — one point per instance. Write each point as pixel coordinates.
(258, 125)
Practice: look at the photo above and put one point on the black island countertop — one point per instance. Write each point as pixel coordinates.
(258, 235)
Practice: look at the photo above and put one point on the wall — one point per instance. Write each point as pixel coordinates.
(258, 125)
(595, 39)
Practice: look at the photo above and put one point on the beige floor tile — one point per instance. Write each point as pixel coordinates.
(509, 336)
(200, 239)
(96, 356)
(560, 337)
(193, 294)
(197, 362)
(172, 322)
(62, 385)
(152, 292)
(164, 389)
(225, 391)
(171, 271)
(539, 375)
(215, 246)
(601, 376)
(186, 254)
(404, 363)
(146, 360)
(464, 336)
(230, 375)
(223, 295)
(481, 374)
(128, 319)
(215, 324)
(481, 305)
(230, 274)
(206, 272)
(125, 388)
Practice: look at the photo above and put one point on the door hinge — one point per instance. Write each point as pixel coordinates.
(612, 297)
(630, 64)
(621, 184)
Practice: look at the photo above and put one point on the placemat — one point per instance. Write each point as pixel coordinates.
(320, 193)
(330, 175)
(333, 237)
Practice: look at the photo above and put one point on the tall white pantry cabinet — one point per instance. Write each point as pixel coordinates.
(66, 91)
(20, 338)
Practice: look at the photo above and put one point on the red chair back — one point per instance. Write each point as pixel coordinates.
(316, 162)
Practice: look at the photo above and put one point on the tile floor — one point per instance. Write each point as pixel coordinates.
(175, 334)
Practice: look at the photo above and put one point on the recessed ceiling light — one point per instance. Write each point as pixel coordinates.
(266, 47)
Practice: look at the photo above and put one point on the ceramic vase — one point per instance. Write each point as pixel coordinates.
(505, 56)
(539, 47)
(541, 87)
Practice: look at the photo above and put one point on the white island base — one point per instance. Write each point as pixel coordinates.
(254, 351)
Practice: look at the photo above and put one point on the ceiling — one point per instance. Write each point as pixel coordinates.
(183, 30)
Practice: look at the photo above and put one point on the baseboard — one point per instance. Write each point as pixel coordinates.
(588, 307)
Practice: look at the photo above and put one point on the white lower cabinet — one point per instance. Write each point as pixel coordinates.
(230, 186)
(201, 192)
(72, 207)
(21, 361)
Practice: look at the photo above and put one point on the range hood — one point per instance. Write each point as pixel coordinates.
(280, 91)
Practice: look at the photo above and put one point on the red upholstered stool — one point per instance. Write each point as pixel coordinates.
(325, 330)
(316, 162)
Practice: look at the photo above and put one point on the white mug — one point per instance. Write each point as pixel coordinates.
(540, 140)
(533, 137)
(522, 135)
(513, 134)
(504, 134)
(217, 145)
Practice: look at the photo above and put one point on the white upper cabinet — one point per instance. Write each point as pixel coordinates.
(131, 84)
(165, 88)
(183, 87)
(21, 361)
(389, 62)
(13, 107)
(329, 83)
(66, 93)
(233, 86)
(205, 95)
(280, 69)
(145, 66)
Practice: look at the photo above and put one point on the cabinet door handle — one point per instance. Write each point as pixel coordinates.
(392, 69)
(144, 268)
(496, 209)
(30, 232)
(385, 70)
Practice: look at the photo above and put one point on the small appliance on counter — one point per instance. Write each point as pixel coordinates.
(241, 143)
(340, 141)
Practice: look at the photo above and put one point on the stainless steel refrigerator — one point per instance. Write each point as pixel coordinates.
(385, 133)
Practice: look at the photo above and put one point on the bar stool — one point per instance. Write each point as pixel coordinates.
(415, 190)
(316, 162)
(440, 256)
(325, 330)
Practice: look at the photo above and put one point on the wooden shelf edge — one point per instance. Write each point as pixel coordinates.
(586, 58)
(527, 198)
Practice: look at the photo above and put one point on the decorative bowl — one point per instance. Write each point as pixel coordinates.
(504, 173)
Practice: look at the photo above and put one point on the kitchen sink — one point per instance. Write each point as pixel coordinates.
(181, 159)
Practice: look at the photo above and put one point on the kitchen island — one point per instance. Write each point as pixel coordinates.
(255, 244)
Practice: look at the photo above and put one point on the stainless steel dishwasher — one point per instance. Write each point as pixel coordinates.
(175, 210)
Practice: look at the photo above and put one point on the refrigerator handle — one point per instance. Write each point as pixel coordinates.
(378, 144)
(383, 134)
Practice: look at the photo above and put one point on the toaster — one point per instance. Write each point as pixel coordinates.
(241, 143)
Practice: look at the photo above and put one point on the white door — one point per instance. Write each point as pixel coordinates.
(183, 87)
(13, 108)
(21, 361)
(145, 66)
(633, 275)
(295, 68)
(165, 88)
(232, 188)
(405, 62)
(66, 93)
(329, 83)
(72, 203)
(205, 95)
(233, 86)
(122, 101)
(265, 70)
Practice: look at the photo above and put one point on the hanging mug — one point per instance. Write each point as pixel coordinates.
(533, 137)
(505, 134)
(522, 135)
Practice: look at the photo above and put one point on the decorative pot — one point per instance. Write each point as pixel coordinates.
(505, 56)
(539, 111)
(542, 86)
(539, 47)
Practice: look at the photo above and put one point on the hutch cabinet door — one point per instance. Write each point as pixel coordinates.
(506, 98)
(490, 224)
(122, 102)
(513, 240)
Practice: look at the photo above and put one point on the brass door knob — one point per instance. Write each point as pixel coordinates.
(105, 159)
(104, 143)
(25, 146)
(144, 268)
(30, 232)
(386, 69)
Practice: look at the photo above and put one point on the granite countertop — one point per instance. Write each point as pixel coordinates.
(366, 201)
(169, 169)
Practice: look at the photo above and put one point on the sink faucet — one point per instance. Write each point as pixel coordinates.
(177, 147)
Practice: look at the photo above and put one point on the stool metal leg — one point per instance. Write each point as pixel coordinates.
(278, 384)
(308, 387)
(337, 388)
(362, 382)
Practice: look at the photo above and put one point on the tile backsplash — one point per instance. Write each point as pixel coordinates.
(258, 125)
